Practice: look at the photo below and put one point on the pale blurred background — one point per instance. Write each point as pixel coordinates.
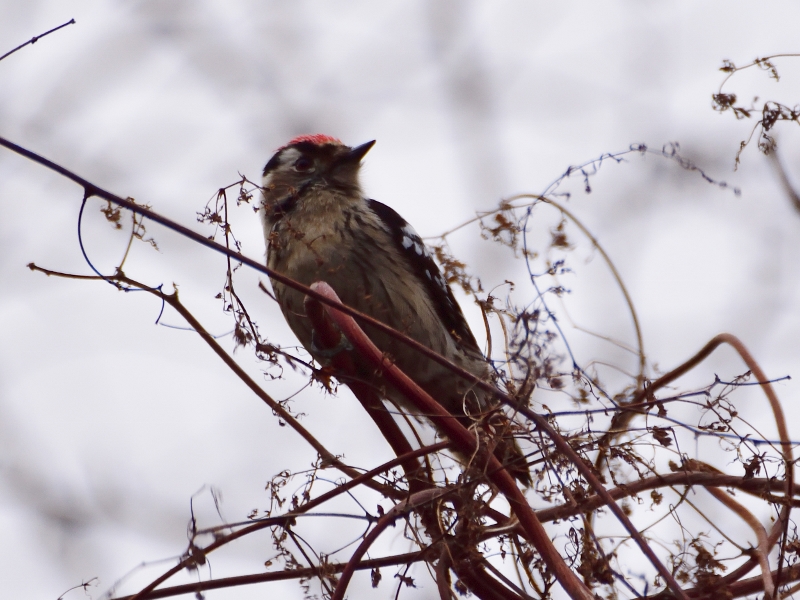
(109, 424)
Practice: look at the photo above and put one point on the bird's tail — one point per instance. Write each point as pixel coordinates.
(508, 452)
(496, 430)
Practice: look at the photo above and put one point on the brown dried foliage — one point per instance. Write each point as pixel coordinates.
(770, 112)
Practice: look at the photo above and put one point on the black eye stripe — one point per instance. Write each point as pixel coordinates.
(271, 165)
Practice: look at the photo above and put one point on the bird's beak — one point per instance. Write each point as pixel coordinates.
(356, 154)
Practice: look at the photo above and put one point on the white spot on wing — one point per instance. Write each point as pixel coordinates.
(411, 241)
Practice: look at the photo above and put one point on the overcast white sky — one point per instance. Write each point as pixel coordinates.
(109, 424)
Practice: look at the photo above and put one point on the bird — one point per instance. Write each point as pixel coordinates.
(319, 226)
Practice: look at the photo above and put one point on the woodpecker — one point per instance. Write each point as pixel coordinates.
(319, 226)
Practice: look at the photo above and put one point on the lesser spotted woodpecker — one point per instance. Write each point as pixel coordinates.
(319, 226)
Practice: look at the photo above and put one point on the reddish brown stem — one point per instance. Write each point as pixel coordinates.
(466, 443)
(328, 337)
(299, 574)
(745, 587)
(756, 486)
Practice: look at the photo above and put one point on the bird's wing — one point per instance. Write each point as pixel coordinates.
(410, 245)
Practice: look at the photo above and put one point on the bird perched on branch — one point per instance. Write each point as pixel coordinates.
(319, 226)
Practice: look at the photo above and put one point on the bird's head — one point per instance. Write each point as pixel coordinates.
(310, 161)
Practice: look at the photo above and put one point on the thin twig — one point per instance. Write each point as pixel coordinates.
(229, 582)
(36, 38)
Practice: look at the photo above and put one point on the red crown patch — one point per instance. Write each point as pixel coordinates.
(318, 138)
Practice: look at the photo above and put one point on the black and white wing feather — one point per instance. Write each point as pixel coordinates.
(410, 245)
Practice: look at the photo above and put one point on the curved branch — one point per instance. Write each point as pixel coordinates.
(615, 274)
(762, 550)
(412, 503)
(780, 420)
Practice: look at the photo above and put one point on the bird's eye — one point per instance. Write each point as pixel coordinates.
(303, 164)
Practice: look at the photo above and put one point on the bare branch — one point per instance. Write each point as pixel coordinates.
(36, 38)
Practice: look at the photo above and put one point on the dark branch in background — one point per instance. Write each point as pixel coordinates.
(589, 169)
(307, 573)
(36, 38)
(83, 585)
(793, 194)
